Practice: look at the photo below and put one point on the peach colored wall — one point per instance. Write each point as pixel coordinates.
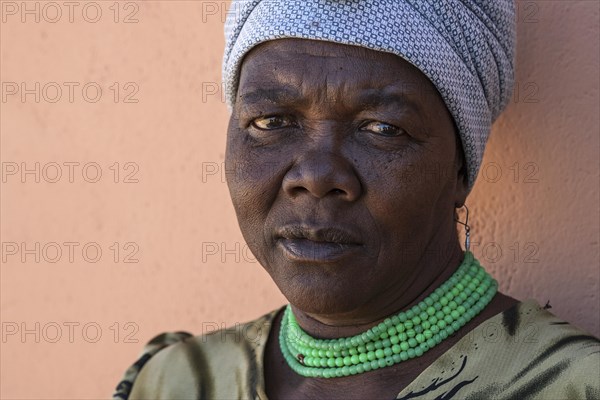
(71, 324)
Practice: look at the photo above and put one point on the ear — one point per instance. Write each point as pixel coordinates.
(462, 179)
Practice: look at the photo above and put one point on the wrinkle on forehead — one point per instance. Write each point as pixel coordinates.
(318, 48)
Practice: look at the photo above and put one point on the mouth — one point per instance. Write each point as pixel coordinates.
(317, 244)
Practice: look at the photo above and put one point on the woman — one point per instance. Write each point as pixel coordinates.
(341, 110)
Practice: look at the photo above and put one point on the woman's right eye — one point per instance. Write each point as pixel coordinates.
(272, 122)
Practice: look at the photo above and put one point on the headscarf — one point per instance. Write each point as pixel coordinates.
(465, 47)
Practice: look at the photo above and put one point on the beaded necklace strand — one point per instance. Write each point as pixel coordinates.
(403, 336)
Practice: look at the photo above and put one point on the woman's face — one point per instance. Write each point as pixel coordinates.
(344, 173)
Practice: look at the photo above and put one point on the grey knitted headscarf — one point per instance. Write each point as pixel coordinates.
(465, 47)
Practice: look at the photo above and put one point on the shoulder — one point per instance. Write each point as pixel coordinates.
(537, 354)
(224, 362)
(557, 357)
(524, 352)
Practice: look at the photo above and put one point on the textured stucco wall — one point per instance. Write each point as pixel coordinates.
(70, 326)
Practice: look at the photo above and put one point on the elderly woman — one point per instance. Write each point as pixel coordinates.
(360, 127)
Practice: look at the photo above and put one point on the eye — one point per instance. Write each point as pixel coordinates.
(272, 122)
(383, 129)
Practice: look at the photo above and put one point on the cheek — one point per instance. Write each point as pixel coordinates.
(408, 198)
(253, 180)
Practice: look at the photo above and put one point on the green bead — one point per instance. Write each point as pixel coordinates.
(339, 362)
(379, 353)
(347, 360)
(353, 370)
(396, 349)
(412, 342)
(355, 359)
(387, 351)
(362, 357)
(430, 310)
(411, 353)
(404, 346)
(371, 356)
(394, 340)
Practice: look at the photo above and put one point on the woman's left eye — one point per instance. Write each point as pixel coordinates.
(272, 122)
(381, 128)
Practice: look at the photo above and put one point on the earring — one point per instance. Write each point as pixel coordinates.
(467, 227)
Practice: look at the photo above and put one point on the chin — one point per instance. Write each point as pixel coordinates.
(321, 296)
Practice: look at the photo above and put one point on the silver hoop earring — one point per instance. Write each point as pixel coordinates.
(467, 227)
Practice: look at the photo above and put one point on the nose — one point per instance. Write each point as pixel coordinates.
(322, 174)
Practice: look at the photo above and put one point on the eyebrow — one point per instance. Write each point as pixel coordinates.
(273, 95)
(376, 98)
(369, 99)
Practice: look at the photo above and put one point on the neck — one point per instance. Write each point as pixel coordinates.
(336, 326)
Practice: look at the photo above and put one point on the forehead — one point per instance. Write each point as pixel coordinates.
(313, 66)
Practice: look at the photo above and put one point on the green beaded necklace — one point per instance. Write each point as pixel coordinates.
(398, 338)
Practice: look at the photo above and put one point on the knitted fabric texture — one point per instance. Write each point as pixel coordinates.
(466, 48)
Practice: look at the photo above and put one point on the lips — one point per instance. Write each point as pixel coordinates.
(317, 244)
